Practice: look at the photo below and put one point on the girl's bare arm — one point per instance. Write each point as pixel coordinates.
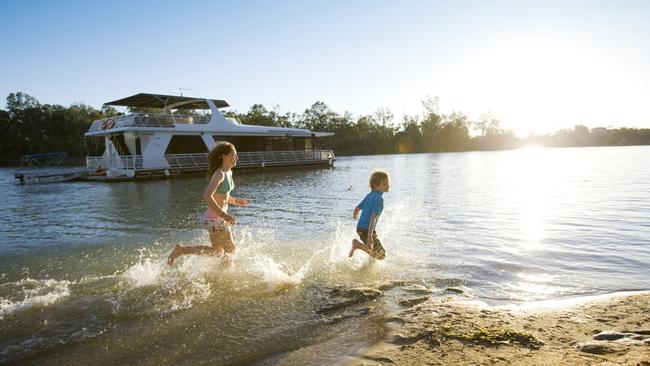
(237, 201)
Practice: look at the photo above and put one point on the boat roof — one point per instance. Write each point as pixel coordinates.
(166, 101)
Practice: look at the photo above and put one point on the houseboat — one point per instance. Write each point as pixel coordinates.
(176, 140)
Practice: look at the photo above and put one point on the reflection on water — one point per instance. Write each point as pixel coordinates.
(82, 272)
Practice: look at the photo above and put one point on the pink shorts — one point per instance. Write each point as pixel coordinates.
(213, 222)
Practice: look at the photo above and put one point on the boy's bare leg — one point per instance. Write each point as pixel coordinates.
(355, 245)
(359, 245)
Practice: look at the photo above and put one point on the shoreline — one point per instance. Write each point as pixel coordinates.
(600, 329)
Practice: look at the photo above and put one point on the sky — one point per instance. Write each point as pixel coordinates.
(537, 66)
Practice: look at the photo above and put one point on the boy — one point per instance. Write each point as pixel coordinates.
(371, 208)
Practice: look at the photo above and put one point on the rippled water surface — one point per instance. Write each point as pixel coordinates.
(82, 275)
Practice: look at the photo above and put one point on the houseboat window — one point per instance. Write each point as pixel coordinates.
(138, 146)
(268, 143)
(186, 144)
(315, 142)
(299, 143)
(243, 143)
(277, 143)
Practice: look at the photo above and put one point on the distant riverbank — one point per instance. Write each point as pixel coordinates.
(30, 127)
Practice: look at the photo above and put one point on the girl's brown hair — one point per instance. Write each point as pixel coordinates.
(376, 178)
(215, 158)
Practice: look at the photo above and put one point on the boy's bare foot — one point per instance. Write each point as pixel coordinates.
(178, 250)
(355, 246)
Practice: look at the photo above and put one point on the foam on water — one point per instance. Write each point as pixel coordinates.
(28, 293)
(565, 303)
(146, 272)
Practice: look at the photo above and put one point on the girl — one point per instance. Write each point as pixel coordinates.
(221, 160)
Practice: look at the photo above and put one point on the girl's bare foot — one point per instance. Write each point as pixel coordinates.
(226, 261)
(178, 250)
(355, 246)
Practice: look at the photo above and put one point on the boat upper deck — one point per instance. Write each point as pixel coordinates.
(187, 123)
(146, 120)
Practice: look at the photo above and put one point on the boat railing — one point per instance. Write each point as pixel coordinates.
(254, 158)
(146, 120)
(94, 163)
(200, 161)
(132, 162)
(196, 161)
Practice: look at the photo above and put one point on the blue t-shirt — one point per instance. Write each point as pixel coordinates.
(372, 203)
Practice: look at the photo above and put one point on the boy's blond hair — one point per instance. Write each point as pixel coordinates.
(376, 178)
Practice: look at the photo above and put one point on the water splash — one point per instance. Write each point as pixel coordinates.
(147, 271)
(34, 293)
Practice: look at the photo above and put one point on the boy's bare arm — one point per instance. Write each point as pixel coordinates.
(355, 214)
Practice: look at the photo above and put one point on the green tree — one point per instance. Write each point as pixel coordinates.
(454, 134)
(431, 132)
(431, 125)
(17, 102)
(409, 137)
(259, 115)
(488, 124)
(383, 116)
(318, 117)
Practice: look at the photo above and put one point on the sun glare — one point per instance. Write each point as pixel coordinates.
(534, 83)
(530, 146)
(530, 184)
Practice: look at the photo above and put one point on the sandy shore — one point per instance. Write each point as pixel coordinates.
(613, 330)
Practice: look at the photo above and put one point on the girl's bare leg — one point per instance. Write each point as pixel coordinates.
(180, 250)
(222, 244)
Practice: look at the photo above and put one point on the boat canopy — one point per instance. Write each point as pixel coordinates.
(166, 101)
(43, 160)
(45, 155)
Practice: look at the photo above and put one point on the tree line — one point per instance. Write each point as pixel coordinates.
(29, 127)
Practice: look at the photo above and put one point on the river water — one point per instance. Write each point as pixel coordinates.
(83, 279)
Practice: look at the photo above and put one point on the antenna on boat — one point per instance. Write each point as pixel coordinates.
(181, 90)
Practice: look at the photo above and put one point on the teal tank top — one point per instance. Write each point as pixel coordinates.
(226, 184)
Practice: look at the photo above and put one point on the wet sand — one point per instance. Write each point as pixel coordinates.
(611, 330)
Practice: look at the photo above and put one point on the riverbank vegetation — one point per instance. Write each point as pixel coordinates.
(29, 127)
